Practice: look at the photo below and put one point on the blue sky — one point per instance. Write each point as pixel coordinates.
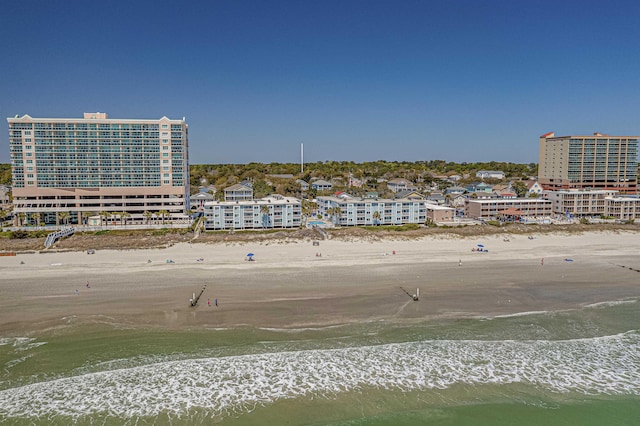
(353, 80)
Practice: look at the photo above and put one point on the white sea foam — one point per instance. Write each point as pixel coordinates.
(597, 366)
(522, 314)
(611, 303)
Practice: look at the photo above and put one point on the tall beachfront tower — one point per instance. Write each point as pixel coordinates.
(92, 165)
(598, 161)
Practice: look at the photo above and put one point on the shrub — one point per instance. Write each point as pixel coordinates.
(19, 234)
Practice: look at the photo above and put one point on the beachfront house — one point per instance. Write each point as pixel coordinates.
(238, 192)
(322, 185)
(409, 194)
(399, 184)
(198, 200)
(533, 187)
(304, 186)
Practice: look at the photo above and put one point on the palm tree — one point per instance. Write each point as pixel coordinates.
(376, 217)
(264, 209)
(103, 216)
(338, 213)
(163, 214)
(147, 215)
(21, 217)
(64, 216)
(36, 217)
(124, 216)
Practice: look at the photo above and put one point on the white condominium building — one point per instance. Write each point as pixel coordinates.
(275, 211)
(85, 166)
(349, 211)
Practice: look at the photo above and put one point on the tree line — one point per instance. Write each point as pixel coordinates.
(223, 175)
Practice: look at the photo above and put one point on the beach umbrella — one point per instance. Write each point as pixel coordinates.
(249, 254)
(480, 245)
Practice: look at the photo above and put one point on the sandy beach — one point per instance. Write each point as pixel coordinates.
(297, 284)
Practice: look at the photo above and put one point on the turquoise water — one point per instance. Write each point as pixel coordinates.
(563, 368)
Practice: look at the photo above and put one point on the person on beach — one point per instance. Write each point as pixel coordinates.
(87, 285)
(216, 302)
(209, 302)
(77, 292)
(542, 262)
(460, 262)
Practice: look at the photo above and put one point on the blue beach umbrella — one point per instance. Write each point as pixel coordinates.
(249, 254)
(480, 245)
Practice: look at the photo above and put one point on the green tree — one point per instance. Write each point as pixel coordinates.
(147, 215)
(163, 215)
(124, 216)
(64, 217)
(376, 217)
(520, 188)
(264, 209)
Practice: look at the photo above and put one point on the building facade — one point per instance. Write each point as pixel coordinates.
(494, 208)
(578, 203)
(349, 211)
(439, 214)
(589, 162)
(270, 212)
(85, 166)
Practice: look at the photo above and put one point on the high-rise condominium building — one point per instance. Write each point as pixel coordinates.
(589, 162)
(128, 169)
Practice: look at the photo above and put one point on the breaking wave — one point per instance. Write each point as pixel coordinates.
(221, 386)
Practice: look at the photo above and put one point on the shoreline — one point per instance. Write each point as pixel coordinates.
(289, 286)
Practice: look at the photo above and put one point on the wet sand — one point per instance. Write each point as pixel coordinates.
(290, 286)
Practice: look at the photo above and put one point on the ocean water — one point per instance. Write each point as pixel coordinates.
(564, 368)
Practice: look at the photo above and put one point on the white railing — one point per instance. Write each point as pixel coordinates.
(55, 236)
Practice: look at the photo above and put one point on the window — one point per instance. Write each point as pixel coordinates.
(165, 161)
(164, 126)
(166, 182)
(165, 140)
(165, 148)
(164, 154)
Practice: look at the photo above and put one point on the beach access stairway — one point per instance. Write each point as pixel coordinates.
(324, 234)
(198, 228)
(55, 236)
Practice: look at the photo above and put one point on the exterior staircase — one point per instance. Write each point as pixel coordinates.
(55, 236)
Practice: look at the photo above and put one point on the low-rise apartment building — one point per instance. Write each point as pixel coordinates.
(623, 208)
(494, 208)
(270, 212)
(579, 203)
(349, 211)
(439, 214)
(606, 203)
